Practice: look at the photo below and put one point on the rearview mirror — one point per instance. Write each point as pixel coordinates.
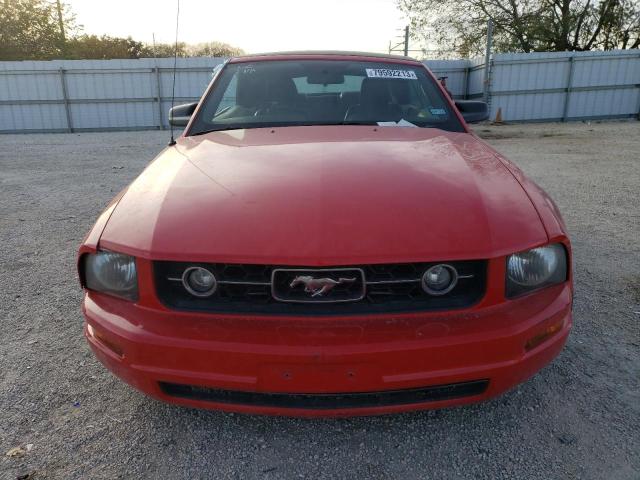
(473, 111)
(325, 78)
(180, 115)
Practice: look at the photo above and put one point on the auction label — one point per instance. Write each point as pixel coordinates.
(386, 73)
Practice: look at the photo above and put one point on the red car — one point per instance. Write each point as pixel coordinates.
(327, 237)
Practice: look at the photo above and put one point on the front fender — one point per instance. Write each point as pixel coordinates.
(548, 211)
(92, 238)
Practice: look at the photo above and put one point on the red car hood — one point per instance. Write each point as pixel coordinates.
(325, 196)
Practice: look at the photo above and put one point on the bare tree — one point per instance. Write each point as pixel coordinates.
(525, 25)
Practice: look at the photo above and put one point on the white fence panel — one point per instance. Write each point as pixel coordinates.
(475, 87)
(456, 72)
(551, 86)
(77, 95)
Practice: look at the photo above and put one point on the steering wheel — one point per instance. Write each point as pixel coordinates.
(263, 110)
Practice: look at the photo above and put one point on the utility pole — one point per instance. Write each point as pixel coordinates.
(403, 45)
(487, 60)
(61, 22)
(406, 41)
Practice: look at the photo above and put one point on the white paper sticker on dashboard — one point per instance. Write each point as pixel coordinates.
(387, 73)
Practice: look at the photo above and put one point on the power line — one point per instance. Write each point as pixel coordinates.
(403, 45)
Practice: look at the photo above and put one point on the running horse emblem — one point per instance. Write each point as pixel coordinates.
(318, 287)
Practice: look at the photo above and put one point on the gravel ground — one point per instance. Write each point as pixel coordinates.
(579, 418)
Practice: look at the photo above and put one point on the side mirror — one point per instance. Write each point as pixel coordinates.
(180, 115)
(473, 111)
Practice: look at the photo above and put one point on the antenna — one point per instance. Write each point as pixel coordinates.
(175, 63)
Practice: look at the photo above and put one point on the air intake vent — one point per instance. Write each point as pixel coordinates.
(327, 401)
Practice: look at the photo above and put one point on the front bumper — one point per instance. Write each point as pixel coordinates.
(323, 366)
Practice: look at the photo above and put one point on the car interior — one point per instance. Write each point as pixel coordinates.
(317, 94)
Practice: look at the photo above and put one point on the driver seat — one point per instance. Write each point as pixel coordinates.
(376, 103)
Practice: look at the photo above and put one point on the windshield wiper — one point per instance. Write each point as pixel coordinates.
(346, 122)
(310, 124)
(220, 129)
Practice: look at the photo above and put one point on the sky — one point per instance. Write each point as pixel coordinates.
(253, 25)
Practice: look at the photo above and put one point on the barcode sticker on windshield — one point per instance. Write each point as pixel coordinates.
(386, 73)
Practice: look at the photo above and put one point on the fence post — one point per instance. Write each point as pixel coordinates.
(567, 95)
(465, 90)
(487, 60)
(638, 106)
(65, 98)
(159, 97)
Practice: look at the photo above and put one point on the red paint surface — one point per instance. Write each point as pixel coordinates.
(325, 196)
(329, 196)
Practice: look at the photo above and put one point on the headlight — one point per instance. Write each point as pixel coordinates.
(536, 268)
(113, 273)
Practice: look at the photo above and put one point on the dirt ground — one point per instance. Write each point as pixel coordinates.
(578, 419)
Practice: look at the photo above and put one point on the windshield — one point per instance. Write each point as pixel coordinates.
(323, 92)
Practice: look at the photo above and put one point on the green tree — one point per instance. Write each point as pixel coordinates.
(163, 50)
(33, 30)
(214, 49)
(210, 49)
(525, 25)
(30, 30)
(105, 47)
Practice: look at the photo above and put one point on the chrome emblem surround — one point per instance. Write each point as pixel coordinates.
(318, 284)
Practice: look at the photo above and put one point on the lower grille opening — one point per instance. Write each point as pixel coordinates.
(327, 401)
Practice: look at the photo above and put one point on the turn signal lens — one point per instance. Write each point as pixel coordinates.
(108, 344)
(540, 338)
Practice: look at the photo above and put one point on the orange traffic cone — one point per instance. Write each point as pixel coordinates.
(498, 119)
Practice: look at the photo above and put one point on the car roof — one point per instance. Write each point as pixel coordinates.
(326, 54)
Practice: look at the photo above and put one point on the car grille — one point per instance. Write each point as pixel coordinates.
(370, 289)
(327, 401)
